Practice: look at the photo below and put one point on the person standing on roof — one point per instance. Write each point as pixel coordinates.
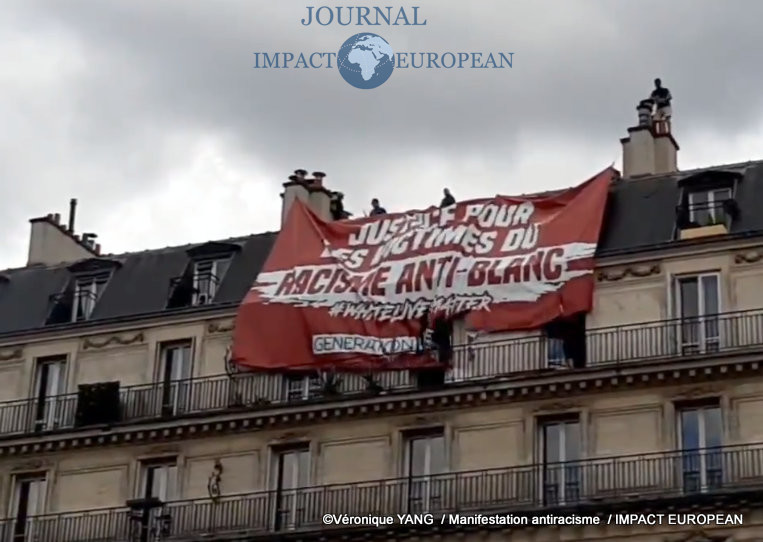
(377, 209)
(448, 198)
(662, 99)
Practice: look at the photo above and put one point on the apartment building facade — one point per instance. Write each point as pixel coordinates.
(121, 417)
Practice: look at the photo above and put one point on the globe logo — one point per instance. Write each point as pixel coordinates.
(365, 60)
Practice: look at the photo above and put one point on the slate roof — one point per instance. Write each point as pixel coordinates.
(641, 214)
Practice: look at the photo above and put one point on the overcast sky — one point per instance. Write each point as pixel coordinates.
(151, 114)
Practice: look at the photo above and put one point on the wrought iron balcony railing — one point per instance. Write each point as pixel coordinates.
(478, 362)
(557, 487)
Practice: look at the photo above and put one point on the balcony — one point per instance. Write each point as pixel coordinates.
(591, 486)
(705, 218)
(714, 335)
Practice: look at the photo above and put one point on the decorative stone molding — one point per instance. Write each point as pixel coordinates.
(12, 354)
(749, 256)
(554, 388)
(557, 406)
(698, 391)
(633, 271)
(114, 340)
(32, 465)
(219, 327)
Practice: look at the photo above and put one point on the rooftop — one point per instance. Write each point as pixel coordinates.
(641, 215)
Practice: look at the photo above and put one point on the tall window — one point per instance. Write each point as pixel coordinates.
(698, 305)
(49, 386)
(159, 480)
(291, 472)
(424, 460)
(87, 290)
(706, 207)
(301, 387)
(560, 456)
(207, 276)
(176, 371)
(700, 437)
(27, 502)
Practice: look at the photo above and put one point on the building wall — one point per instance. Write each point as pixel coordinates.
(625, 294)
(502, 436)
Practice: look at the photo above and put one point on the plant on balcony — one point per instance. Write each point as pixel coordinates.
(372, 386)
(331, 385)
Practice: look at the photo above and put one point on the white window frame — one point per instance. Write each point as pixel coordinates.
(711, 200)
(169, 483)
(212, 267)
(51, 396)
(677, 308)
(301, 388)
(561, 466)
(41, 502)
(702, 436)
(179, 381)
(290, 500)
(91, 285)
(425, 479)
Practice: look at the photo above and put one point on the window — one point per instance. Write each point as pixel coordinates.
(302, 387)
(560, 456)
(87, 290)
(49, 386)
(697, 306)
(176, 371)
(158, 480)
(565, 343)
(706, 207)
(424, 460)
(291, 472)
(700, 433)
(27, 502)
(207, 276)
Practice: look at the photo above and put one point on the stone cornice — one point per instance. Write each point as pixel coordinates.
(561, 388)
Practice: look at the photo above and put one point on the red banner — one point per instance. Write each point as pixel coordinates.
(350, 295)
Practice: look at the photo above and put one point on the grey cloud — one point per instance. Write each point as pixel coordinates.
(139, 82)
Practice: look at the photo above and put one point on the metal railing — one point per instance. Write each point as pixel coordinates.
(476, 362)
(524, 489)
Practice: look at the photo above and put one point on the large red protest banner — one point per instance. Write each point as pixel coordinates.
(349, 295)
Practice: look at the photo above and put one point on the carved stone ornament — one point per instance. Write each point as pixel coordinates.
(213, 484)
(557, 406)
(750, 256)
(12, 353)
(219, 327)
(633, 271)
(114, 340)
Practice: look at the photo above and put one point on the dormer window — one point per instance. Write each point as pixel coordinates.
(707, 207)
(207, 276)
(203, 276)
(707, 204)
(87, 290)
(77, 302)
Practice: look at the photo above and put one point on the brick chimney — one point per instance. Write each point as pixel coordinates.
(51, 242)
(650, 148)
(309, 190)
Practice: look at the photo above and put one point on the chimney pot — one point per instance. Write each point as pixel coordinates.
(72, 213)
(300, 173)
(294, 178)
(57, 218)
(98, 249)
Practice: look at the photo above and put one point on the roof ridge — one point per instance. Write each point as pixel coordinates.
(125, 255)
